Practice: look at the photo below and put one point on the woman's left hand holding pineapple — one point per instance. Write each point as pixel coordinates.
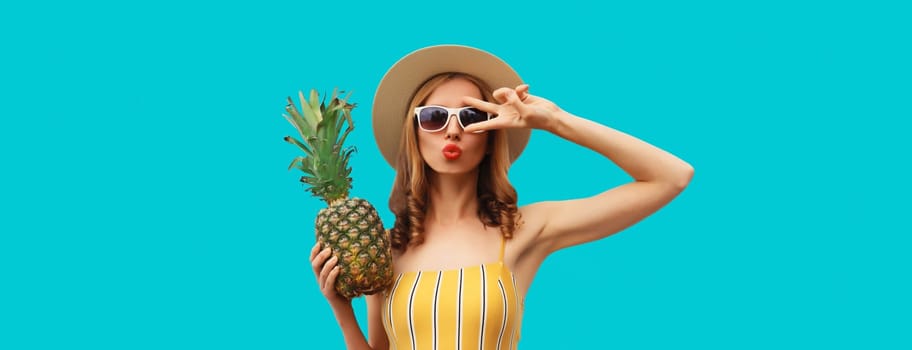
(326, 271)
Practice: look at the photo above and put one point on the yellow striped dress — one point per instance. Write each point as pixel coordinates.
(475, 307)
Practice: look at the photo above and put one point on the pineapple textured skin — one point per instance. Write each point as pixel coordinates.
(354, 232)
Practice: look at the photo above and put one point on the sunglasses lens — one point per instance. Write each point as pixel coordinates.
(471, 116)
(432, 118)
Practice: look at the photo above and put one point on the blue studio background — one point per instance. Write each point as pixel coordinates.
(146, 202)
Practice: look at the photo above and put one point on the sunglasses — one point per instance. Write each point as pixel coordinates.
(436, 118)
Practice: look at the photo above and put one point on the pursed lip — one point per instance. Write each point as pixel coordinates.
(451, 151)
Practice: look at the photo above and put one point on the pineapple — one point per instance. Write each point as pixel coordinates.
(349, 226)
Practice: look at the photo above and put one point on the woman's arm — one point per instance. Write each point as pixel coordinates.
(375, 331)
(326, 271)
(658, 175)
(354, 338)
(658, 178)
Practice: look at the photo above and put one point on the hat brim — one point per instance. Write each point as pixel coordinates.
(403, 79)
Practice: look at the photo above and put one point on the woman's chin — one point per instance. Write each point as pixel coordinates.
(453, 167)
(451, 170)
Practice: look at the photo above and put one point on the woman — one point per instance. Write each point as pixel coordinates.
(464, 254)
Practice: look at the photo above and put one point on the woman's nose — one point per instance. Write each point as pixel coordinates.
(453, 129)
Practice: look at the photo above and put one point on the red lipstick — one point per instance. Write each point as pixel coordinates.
(451, 151)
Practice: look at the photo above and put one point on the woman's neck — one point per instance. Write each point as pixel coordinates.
(452, 198)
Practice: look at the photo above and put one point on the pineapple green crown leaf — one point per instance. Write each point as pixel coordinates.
(325, 160)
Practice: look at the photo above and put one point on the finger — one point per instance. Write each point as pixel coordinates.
(493, 124)
(325, 281)
(327, 268)
(513, 97)
(315, 251)
(480, 104)
(514, 100)
(319, 260)
(523, 91)
(331, 279)
(501, 94)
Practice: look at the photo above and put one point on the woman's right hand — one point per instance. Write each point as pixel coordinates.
(326, 271)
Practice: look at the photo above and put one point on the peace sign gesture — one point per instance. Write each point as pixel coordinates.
(516, 108)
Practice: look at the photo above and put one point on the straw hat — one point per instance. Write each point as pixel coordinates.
(403, 79)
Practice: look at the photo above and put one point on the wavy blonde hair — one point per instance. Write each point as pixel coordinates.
(496, 196)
